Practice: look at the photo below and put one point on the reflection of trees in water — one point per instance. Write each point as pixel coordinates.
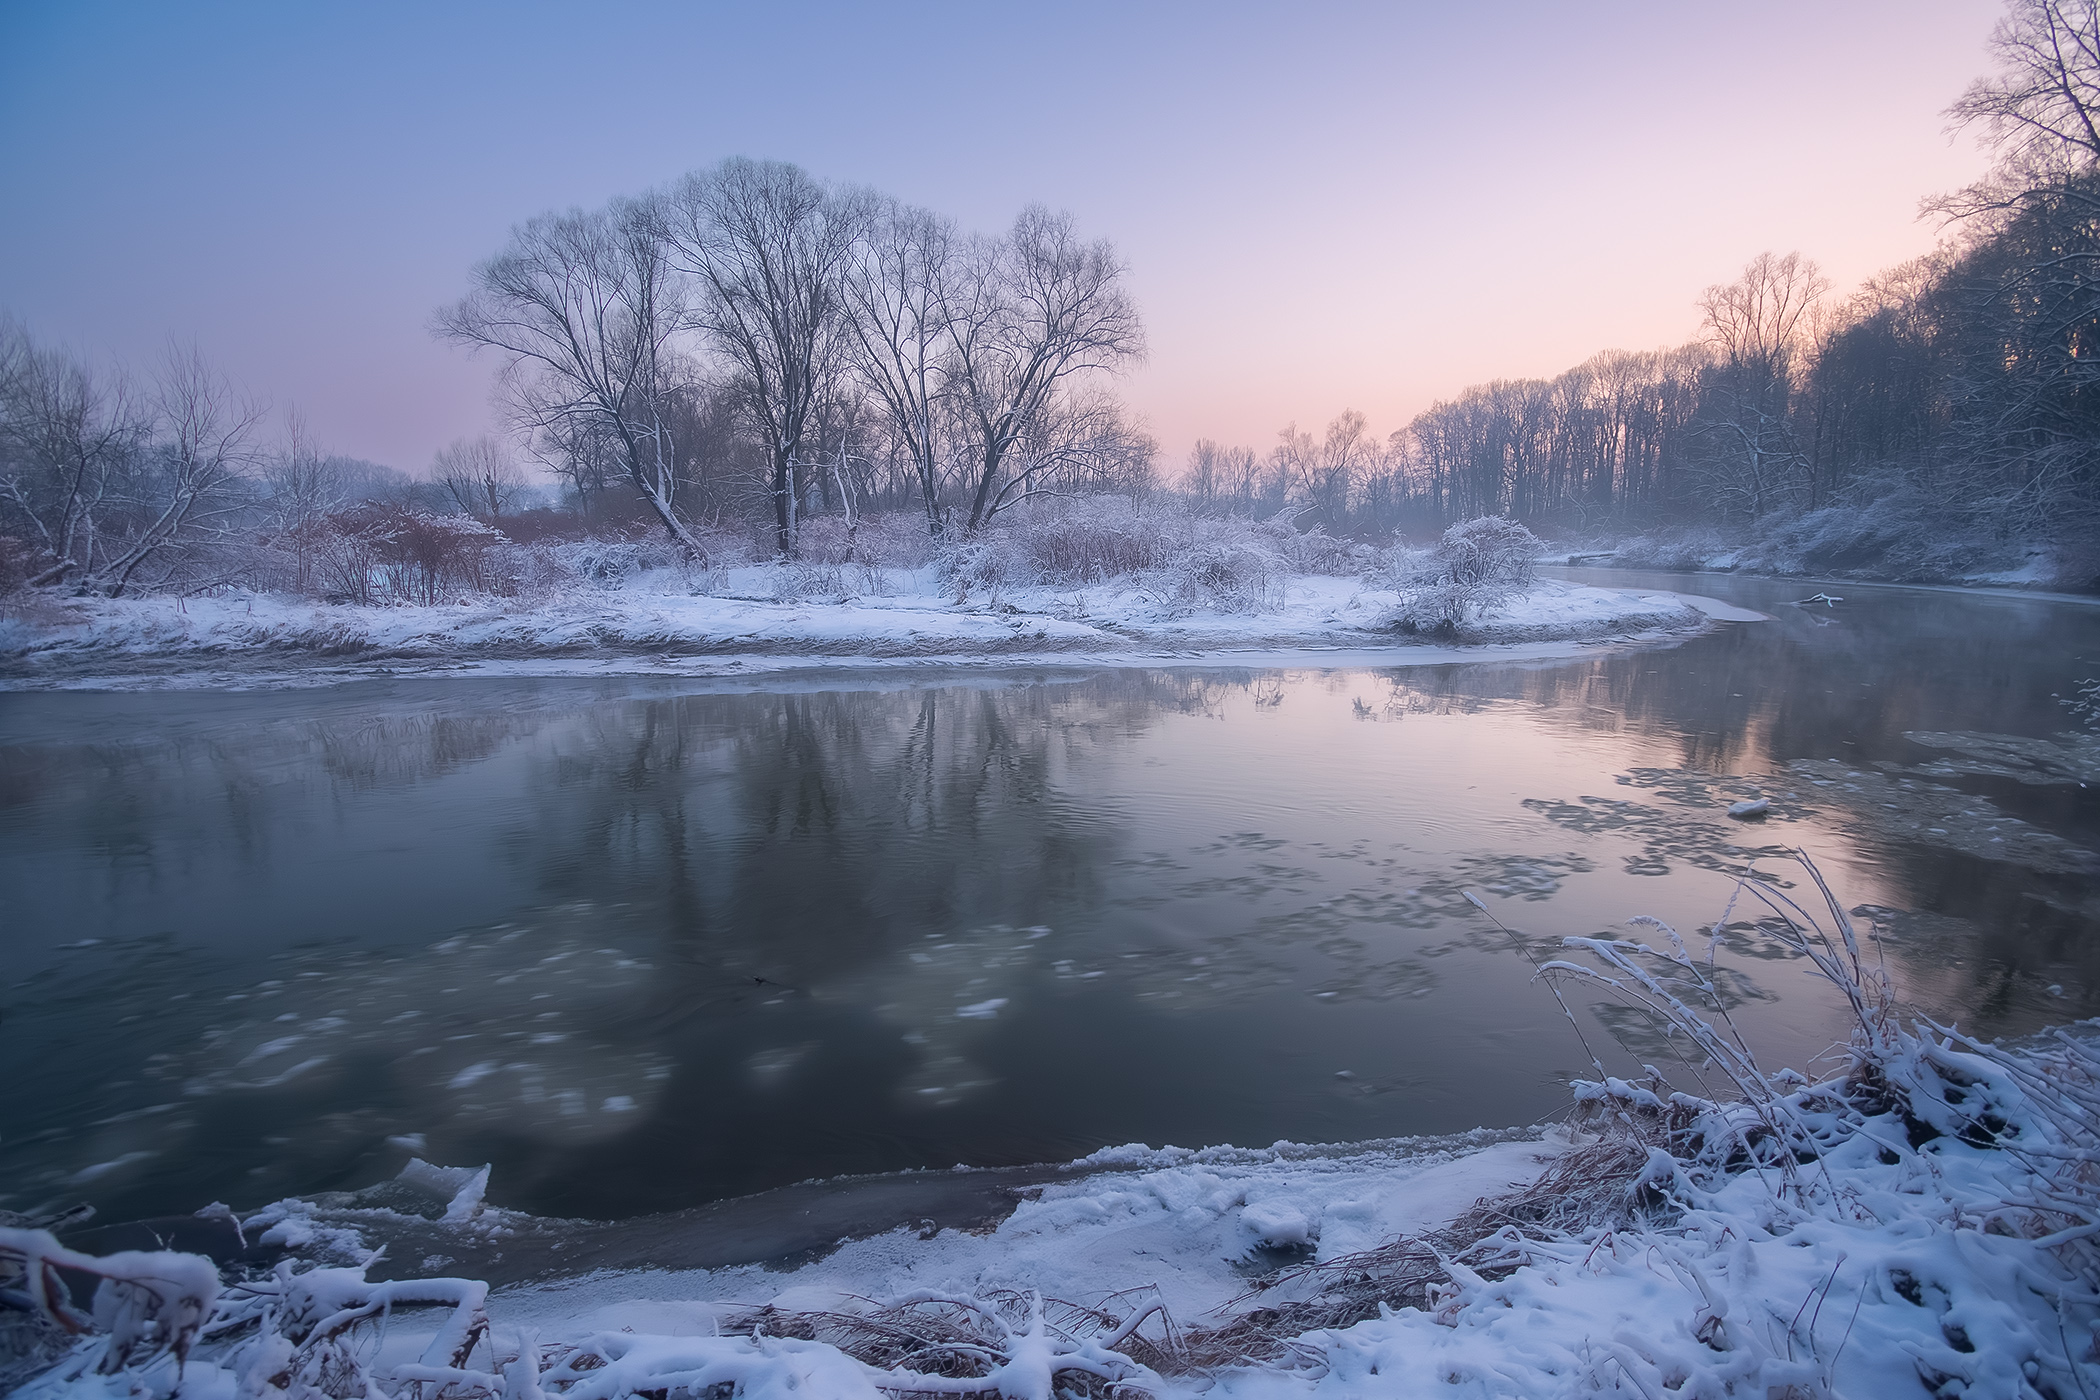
(247, 785)
(1985, 942)
(792, 845)
(1751, 694)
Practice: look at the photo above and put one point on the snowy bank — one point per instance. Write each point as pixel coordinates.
(904, 617)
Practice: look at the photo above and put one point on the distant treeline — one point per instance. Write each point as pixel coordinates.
(1960, 391)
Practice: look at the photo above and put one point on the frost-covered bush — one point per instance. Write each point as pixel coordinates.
(375, 552)
(1228, 577)
(1313, 551)
(1489, 553)
(611, 563)
(800, 580)
(985, 564)
(1476, 565)
(1090, 541)
(893, 539)
(1907, 535)
(1073, 543)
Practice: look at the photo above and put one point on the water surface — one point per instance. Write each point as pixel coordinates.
(644, 944)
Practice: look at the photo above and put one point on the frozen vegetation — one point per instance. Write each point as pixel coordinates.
(1921, 1219)
(1102, 579)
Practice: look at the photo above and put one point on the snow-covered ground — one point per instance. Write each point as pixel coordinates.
(1874, 1272)
(904, 617)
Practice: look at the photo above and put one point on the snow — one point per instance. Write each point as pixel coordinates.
(1866, 1278)
(908, 619)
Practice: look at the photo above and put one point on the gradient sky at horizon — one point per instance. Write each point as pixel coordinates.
(1324, 206)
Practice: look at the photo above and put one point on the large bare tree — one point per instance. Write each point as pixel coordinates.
(2041, 109)
(768, 247)
(898, 290)
(1036, 311)
(584, 307)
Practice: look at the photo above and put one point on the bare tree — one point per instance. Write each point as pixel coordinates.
(898, 290)
(112, 489)
(1037, 310)
(1761, 317)
(2039, 109)
(1319, 477)
(71, 437)
(479, 476)
(1757, 325)
(302, 487)
(206, 444)
(769, 248)
(1078, 444)
(584, 307)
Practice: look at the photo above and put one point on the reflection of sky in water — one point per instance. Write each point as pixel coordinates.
(643, 949)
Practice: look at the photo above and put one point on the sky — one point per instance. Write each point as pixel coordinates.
(1323, 206)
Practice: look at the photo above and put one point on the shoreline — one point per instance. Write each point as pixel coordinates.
(1970, 588)
(243, 642)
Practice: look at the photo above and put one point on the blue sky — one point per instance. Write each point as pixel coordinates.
(1324, 206)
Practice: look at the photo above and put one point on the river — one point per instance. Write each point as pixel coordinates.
(643, 943)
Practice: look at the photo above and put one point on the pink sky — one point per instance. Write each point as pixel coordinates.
(1324, 207)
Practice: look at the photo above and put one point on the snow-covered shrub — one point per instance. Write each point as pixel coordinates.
(610, 563)
(534, 570)
(374, 552)
(798, 580)
(1489, 553)
(984, 564)
(1225, 577)
(1311, 551)
(1476, 565)
(893, 539)
(1194, 560)
(1906, 534)
(428, 558)
(147, 1305)
(1087, 542)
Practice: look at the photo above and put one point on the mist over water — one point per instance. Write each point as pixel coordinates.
(641, 944)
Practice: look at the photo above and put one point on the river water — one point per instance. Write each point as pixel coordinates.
(648, 943)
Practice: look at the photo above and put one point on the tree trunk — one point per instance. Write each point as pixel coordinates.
(783, 522)
(992, 456)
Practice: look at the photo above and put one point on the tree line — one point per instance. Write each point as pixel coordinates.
(1957, 392)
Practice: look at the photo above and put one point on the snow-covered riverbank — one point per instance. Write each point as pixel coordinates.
(1247, 1273)
(1922, 1221)
(903, 619)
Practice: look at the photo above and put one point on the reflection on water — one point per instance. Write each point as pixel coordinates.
(643, 945)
